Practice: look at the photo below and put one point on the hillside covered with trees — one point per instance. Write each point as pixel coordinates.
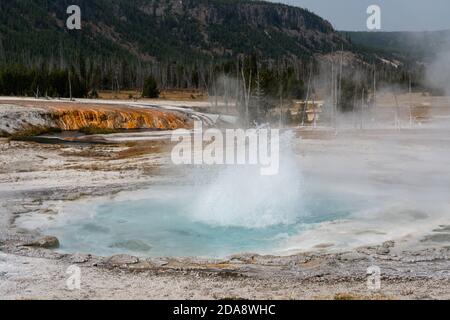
(410, 47)
(270, 49)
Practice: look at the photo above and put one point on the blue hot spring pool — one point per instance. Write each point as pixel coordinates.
(170, 221)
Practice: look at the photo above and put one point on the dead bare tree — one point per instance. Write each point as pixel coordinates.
(339, 87)
(374, 102)
(281, 104)
(36, 93)
(374, 85)
(334, 95)
(259, 93)
(226, 89)
(307, 96)
(355, 101)
(397, 116)
(410, 103)
(315, 114)
(361, 126)
(70, 85)
(336, 102)
(341, 62)
(247, 91)
(61, 55)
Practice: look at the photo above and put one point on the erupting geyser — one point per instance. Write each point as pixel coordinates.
(239, 196)
(216, 211)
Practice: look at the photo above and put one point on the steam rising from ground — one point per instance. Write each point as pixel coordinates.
(394, 185)
(438, 72)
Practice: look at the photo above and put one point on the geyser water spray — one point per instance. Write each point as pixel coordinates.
(239, 196)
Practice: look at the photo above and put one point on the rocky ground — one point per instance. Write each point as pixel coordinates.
(35, 179)
(419, 275)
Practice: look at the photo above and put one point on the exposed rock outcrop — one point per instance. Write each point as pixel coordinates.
(121, 260)
(31, 118)
(47, 242)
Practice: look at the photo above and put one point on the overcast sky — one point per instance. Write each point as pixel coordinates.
(397, 15)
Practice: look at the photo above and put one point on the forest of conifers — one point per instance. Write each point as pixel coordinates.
(209, 45)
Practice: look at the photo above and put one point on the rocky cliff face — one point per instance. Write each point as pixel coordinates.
(253, 13)
(36, 117)
(238, 26)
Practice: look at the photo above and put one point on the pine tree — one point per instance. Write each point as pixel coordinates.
(150, 88)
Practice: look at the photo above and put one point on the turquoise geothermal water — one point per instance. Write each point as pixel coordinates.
(217, 212)
(165, 224)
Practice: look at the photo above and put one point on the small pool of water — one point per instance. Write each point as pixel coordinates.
(165, 223)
